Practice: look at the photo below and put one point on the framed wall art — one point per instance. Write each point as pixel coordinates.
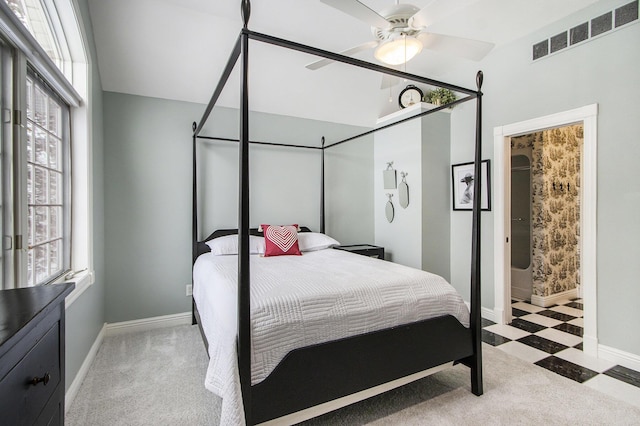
(463, 185)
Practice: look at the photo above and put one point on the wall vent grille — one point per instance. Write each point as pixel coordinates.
(597, 26)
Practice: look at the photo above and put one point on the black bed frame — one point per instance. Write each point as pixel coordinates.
(317, 374)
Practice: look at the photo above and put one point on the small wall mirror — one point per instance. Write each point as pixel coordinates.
(389, 177)
(388, 209)
(403, 191)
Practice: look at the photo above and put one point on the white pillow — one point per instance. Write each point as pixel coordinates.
(310, 241)
(229, 245)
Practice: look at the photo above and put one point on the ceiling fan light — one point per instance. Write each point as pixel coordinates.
(398, 50)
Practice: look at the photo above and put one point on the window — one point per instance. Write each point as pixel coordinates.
(47, 184)
(46, 146)
(34, 17)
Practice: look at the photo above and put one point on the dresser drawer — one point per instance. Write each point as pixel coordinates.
(21, 400)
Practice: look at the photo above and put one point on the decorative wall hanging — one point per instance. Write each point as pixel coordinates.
(403, 191)
(389, 177)
(388, 209)
(464, 186)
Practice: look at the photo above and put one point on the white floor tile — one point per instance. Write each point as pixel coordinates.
(578, 357)
(541, 320)
(522, 351)
(563, 302)
(507, 331)
(578, 321)
(527, 307)
(559, 336)
(615, 388)
(567, 310)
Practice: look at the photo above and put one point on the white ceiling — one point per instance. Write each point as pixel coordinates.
(177, 49)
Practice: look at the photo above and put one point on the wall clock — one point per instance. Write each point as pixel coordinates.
(410, 95)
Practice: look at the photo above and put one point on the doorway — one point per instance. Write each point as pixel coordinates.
(587, 116)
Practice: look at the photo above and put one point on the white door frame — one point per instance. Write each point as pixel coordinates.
(502, 224)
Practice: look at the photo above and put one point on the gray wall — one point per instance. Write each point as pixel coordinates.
(603, 71)
(148, 192)
(419, 234)
(85, 317)
(349, 193)
(436, 205)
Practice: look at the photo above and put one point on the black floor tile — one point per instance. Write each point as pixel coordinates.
(567, 369)
(625, 374)
(493, 339)
(556, 315)
(575, 305)
(518, 313)
(570, 328)
(579, 346)
(486, 323)
(527, 325)
(546, 345)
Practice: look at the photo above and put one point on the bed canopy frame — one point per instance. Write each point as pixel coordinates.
(272, 397)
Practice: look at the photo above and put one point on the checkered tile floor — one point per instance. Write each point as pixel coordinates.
(552, 338)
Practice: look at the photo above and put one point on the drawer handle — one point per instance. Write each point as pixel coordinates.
(44, 379)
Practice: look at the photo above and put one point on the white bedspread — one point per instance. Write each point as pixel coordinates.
(298, 301)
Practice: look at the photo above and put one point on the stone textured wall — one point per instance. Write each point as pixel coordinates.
(555, 190)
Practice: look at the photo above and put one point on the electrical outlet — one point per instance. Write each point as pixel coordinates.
(189, 289)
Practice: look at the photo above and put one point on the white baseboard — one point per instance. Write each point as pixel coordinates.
(545, 301)
(488, 314)
(625, 359)
(71, 393)
(148, 323)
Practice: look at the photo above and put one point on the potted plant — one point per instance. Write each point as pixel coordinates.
(440, 96)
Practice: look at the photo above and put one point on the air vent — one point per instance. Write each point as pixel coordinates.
(580, 33)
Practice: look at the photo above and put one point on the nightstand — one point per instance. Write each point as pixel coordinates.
(364, 249)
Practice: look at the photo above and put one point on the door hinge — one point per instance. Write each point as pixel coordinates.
(6, 115)
(17, 117)
(7, 242)
(18, 242)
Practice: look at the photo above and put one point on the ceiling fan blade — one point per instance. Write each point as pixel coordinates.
(437, 10)
(358, 10)
(389, 81)
(352, 51)
(458, 46)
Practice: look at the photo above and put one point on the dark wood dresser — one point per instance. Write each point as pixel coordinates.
(32, 355)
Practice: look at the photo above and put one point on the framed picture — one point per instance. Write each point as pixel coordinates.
(464, 186)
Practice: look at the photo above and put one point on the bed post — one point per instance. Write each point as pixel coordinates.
(476, 319)
(322, 221)
(244, 290)
(194, 220)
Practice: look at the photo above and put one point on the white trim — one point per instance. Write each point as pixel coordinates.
(83, 281)
(148, 323)
(485, 313)
(545, 301)
(327, 407)
(71, 393)
(502, 164)
(625, 359)
(488, 314)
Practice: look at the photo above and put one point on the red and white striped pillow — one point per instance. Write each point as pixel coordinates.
(281, 240)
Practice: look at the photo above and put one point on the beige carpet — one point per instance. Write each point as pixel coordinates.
(157, 378)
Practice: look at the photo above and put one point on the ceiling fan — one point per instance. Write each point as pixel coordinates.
(402, 31)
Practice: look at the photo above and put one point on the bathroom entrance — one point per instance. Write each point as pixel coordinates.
(553, 159)
(545, 215)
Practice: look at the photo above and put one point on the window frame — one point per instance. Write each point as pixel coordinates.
(65, 158)
(79, 97)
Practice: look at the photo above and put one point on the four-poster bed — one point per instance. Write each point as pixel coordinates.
(325, 375)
